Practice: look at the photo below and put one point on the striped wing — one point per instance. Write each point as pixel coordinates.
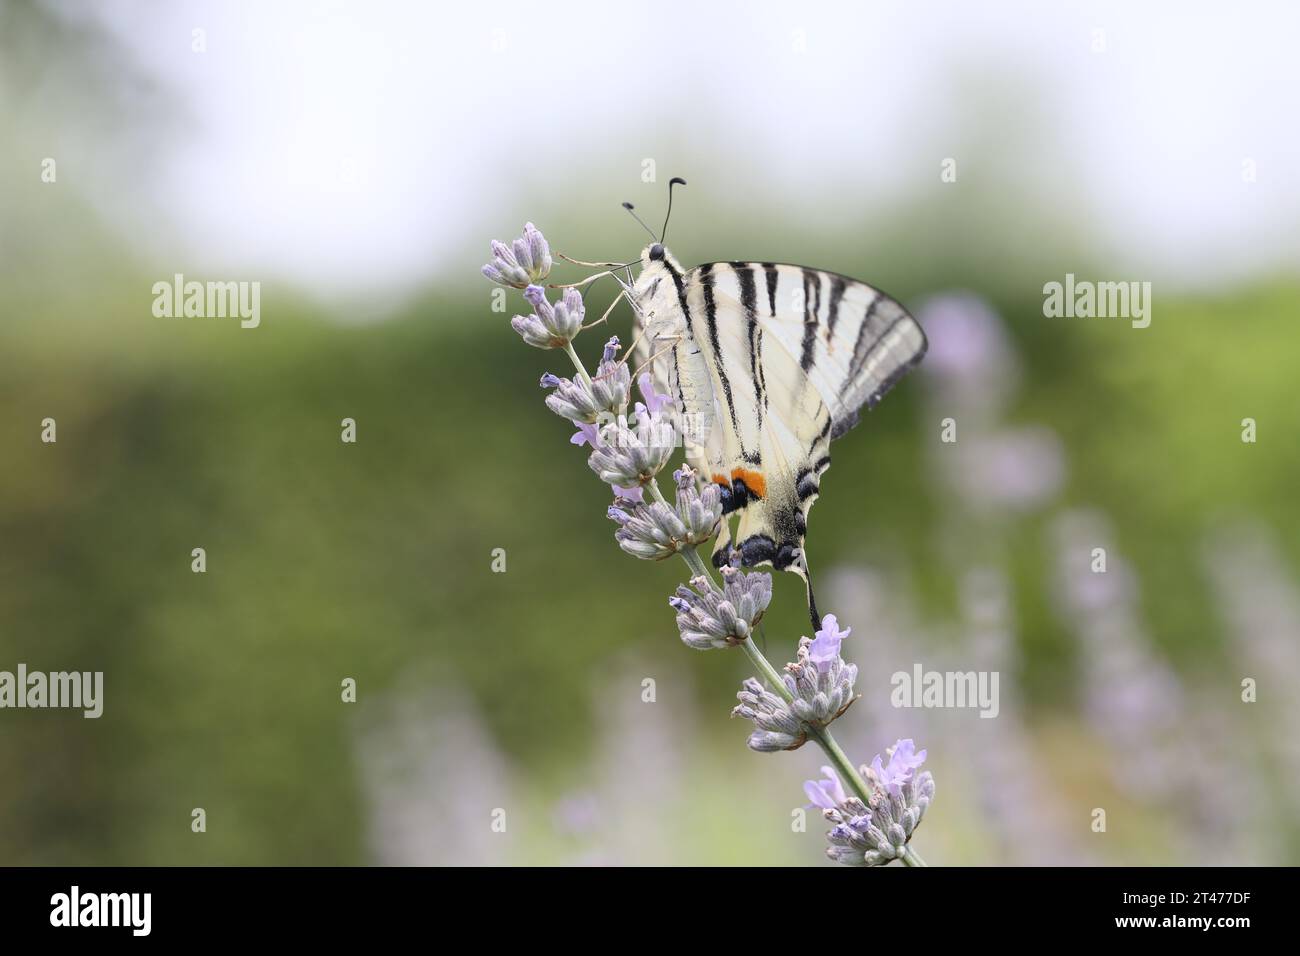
(794, 354)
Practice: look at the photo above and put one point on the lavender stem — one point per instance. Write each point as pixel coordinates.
(577, 364)
(911, 858)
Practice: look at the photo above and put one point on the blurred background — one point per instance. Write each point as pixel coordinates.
(355, 159)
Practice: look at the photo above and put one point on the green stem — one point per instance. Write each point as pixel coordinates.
(830, 746)
(912, 858)
(693, 561)
(653, 487)
(577, 364)
(767, 670)
(691, 556)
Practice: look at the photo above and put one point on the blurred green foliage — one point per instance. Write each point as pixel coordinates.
(328, 560)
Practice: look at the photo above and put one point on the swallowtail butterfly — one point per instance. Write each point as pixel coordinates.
(770, 363)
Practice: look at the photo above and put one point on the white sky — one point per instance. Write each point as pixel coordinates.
(347, 144)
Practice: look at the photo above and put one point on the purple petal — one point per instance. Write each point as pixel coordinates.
(817, 796)
(631, 494)
(586, 435)
(611, 350)
(831, 626)
(825, 648)
(903, 762)
(828, 793)
(654, 400)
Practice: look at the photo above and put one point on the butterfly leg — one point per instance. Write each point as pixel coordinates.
(672, 340)
(587, 281)
(604, 317)
(590, 265)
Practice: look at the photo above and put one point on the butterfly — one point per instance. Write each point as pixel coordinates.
(769, 363)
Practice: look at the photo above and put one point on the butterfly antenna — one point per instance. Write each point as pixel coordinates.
(632, 213)
(675, 181)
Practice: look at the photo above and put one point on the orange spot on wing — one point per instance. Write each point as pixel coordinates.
(753, 480)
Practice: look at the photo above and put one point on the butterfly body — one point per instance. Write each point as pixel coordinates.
(769, 363)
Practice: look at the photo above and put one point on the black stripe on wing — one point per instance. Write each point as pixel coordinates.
(754, 335)
(770, 276)
(811, 312)
(871, 334)
(711, 323)
(838, 285)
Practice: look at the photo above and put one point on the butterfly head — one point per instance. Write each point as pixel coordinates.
(656, 256)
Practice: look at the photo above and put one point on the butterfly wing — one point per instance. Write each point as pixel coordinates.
(666, 351)
(852, 340)
(793, 355)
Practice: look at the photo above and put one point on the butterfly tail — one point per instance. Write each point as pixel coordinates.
(800, 567)
(812, 601)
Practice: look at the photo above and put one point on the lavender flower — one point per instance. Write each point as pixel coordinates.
(875, 834)
(825, 650)
(589, 434)
(588, 403)
(828, 793)
(903, 761)
(524, 262)
(656, 531)
(778, 728)
(821, 684)
(822, 689)
(708, 617)
(654, 401)
(550, 326)
(628, 457)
